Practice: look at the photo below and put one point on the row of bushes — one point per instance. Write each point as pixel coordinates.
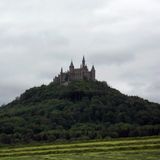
(82, 133)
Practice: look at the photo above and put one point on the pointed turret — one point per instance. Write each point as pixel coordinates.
(71, 67)
(61, 70)
(93, 73)
(83, 62)
(93, 69)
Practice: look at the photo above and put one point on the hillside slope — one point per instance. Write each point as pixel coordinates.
(81, 110)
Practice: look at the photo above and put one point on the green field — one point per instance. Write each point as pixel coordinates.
(146, 148)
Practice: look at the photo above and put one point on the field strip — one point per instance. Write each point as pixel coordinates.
(90, 144)
(75, 146)
(95, 154)
(82, 150)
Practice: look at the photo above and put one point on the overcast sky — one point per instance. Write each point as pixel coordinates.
(120, 37)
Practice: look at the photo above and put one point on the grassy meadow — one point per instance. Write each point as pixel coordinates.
(145, 148)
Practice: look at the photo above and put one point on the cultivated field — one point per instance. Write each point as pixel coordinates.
(147, 148)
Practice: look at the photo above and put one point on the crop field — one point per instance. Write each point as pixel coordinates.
(146, 148)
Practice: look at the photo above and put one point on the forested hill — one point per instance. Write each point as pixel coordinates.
(81, 110)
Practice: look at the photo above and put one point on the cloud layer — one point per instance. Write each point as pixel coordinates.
(120, 37)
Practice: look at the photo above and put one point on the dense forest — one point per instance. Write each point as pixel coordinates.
(82, 110)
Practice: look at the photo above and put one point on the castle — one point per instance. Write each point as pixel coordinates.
(74, 74)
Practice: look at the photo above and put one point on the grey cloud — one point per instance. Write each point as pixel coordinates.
(112, 58)
(10, 92)
(33, 39)
(120, 37)
(148, 90)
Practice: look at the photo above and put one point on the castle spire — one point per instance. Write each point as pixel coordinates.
(93, 69)
(61, 70)
(71, 65)
(83, 61)
(93, 73)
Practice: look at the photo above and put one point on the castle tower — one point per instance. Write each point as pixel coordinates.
(61, 75)
(71, 67)
(83, 62)
(61, 70)
(93, 73)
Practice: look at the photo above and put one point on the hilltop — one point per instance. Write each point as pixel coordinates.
(81, 110)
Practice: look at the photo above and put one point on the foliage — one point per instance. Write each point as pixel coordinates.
(81, 110)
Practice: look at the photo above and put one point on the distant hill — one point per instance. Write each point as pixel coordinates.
(81, 110)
